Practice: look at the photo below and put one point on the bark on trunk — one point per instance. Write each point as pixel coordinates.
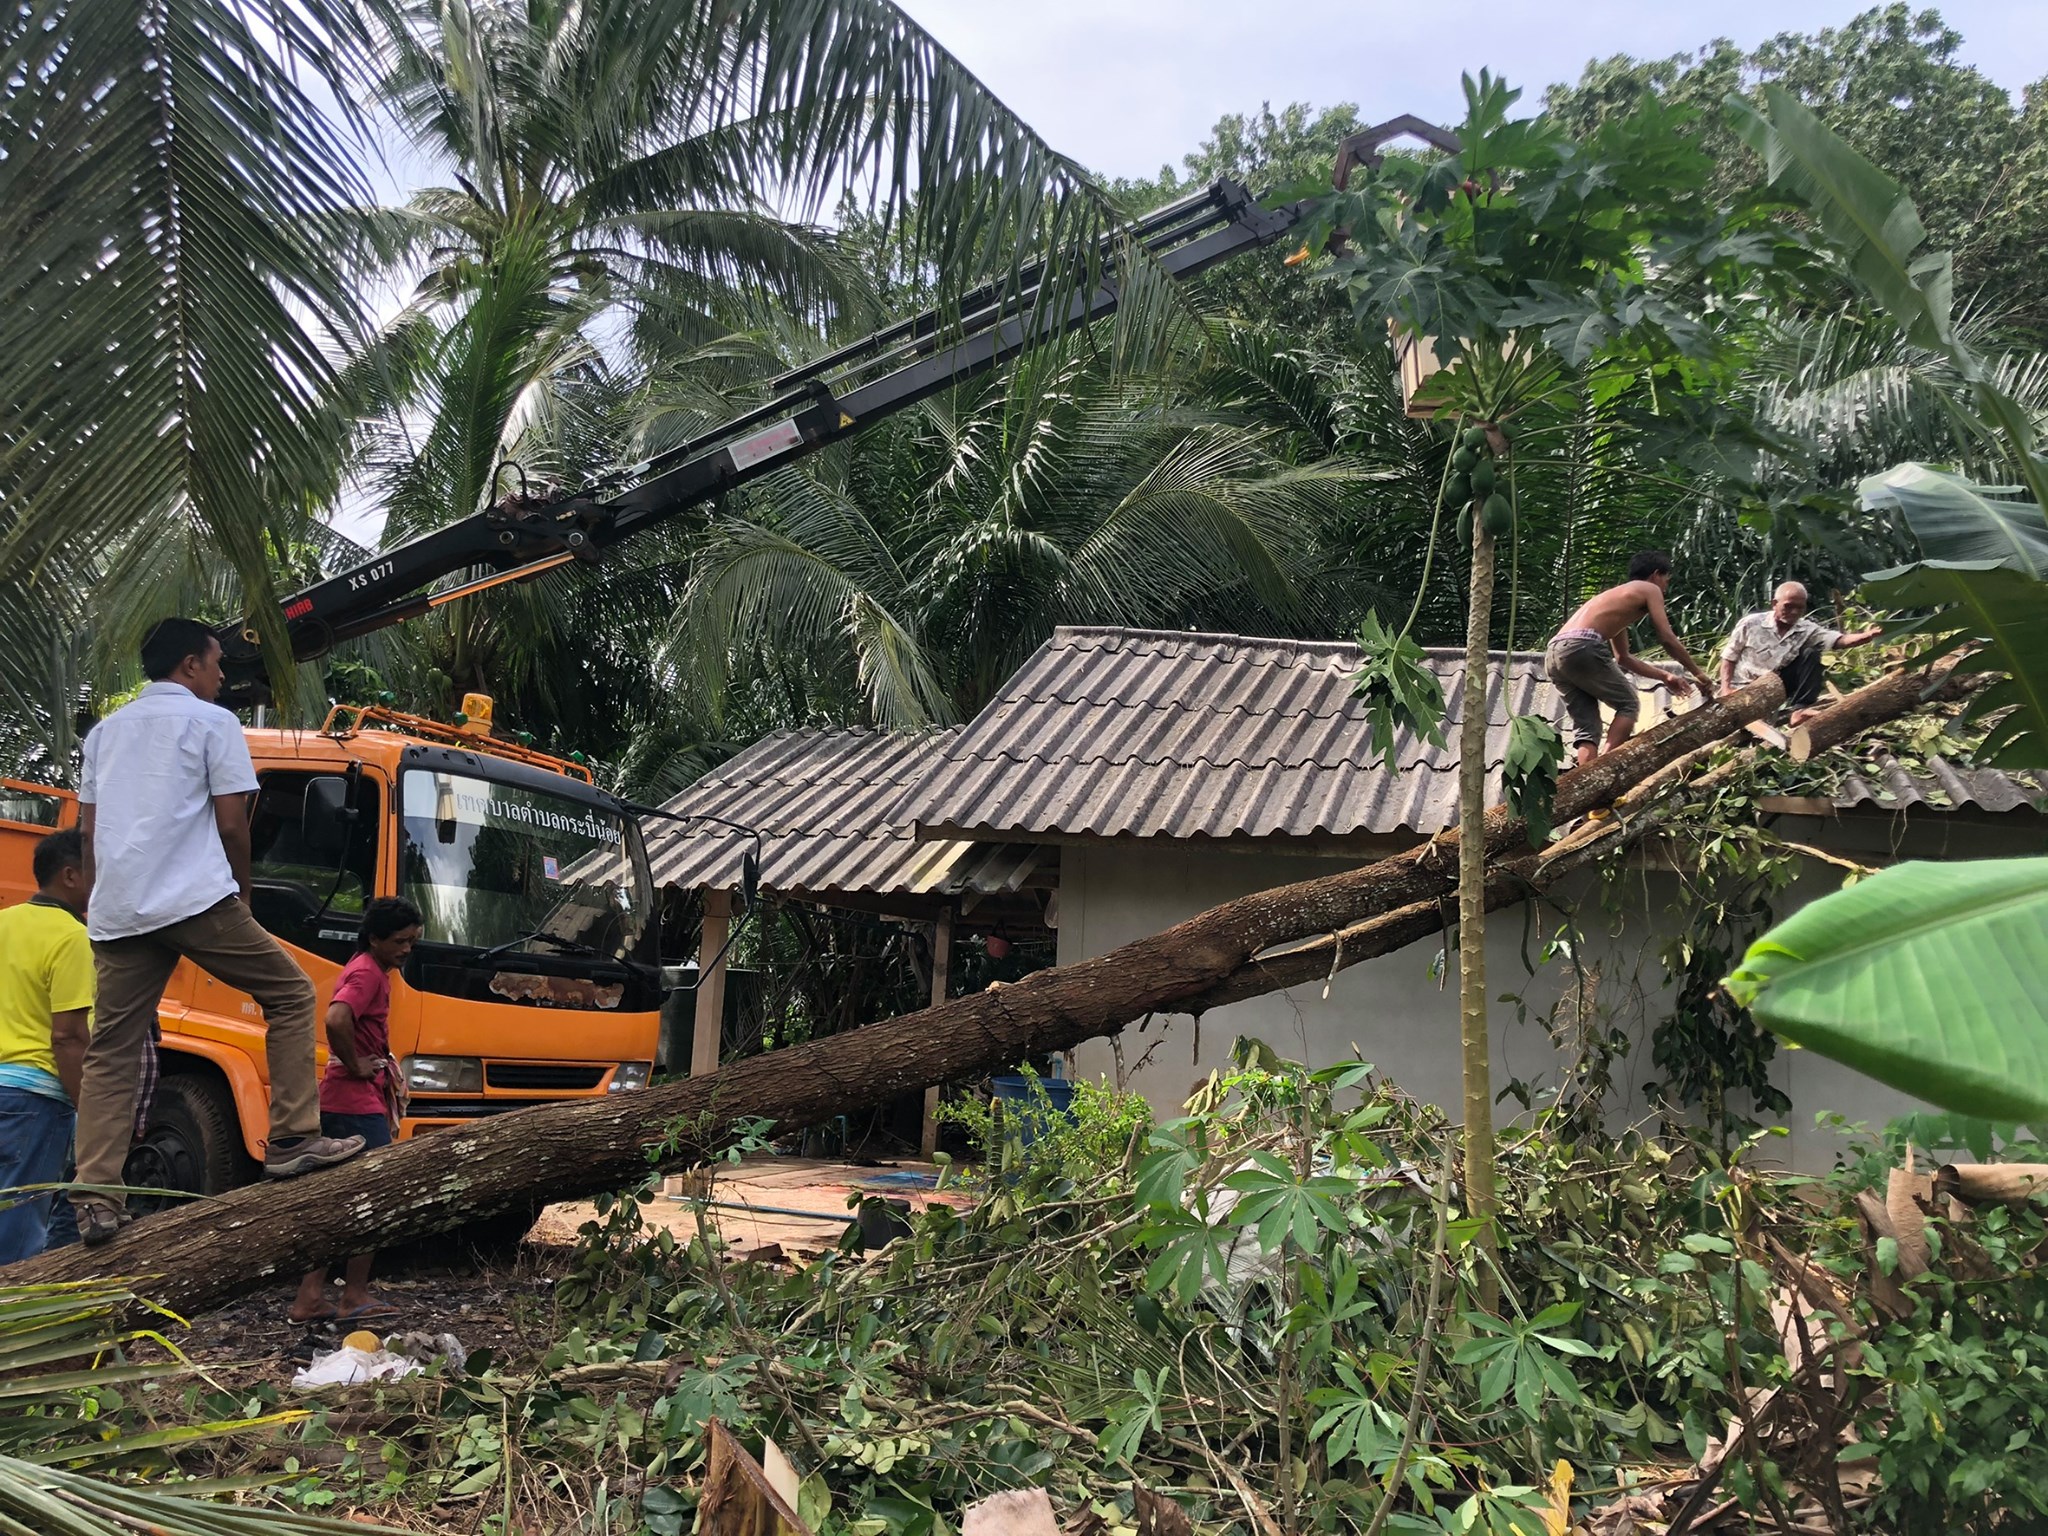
(220, 1248)
(1890, 696)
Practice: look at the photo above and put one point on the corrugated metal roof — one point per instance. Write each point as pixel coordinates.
(1888, 785)
(827, 806)
(1110, 732)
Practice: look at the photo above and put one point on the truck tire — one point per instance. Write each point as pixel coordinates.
(192, 1142)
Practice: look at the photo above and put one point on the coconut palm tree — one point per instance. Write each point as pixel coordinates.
(931, 559)
(183, 259)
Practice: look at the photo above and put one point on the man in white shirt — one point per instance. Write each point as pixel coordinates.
(165, 812)
(1783, 640)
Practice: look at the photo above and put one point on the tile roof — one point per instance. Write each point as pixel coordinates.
(1110, 732)
(1942, 784)
(826, 804)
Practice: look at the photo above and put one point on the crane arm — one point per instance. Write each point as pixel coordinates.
(827, 400)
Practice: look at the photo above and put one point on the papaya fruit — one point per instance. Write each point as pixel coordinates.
(1482, 480)
(1498, 515)
(1463, 460)
(1465, 526)
(1458, 492)
(1475, 439)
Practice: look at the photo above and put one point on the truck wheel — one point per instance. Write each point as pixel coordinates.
(192, 1142)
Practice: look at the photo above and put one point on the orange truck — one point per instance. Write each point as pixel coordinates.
(536, 979)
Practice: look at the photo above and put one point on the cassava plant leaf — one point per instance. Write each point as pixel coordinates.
(1925, 977)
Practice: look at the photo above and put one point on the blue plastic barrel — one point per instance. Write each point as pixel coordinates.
(1028, 1101)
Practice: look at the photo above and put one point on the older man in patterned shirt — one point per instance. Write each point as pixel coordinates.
(1785, 641)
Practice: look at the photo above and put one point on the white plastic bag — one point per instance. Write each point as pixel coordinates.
(346, 1366)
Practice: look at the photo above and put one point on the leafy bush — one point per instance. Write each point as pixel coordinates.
(1088, 1140)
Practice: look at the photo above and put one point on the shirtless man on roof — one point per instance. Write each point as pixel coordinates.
(1587, 657)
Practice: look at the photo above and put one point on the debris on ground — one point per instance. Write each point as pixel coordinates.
(1684, 1339)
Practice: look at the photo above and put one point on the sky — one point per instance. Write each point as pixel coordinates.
(1126, 86)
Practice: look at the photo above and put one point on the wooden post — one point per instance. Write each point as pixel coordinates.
(710, 1025)
(942, 975)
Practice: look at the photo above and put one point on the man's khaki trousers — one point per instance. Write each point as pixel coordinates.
(232, 947)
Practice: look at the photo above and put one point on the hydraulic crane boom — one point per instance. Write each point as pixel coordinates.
(832, 398)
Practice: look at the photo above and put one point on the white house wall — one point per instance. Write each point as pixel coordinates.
(1393, 1011)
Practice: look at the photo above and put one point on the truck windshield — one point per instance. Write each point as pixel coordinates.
(494, 864)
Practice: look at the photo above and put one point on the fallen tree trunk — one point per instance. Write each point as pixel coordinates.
(1886, 699)
(220, 1248)
(1507, 882)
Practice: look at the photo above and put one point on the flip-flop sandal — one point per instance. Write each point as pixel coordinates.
(326, 1316)
(369, 1311)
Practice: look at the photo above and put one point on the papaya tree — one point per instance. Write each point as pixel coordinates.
(1564, 292)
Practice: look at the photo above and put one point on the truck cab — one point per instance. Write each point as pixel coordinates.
(536, 977)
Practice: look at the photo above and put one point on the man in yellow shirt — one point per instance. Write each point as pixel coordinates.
(46, 992)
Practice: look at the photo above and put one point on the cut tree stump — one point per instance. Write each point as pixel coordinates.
(199, 1256)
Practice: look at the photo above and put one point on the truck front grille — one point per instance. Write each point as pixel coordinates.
(542, 1076)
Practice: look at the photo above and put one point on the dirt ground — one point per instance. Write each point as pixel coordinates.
(510, 1309)
(799, 1204)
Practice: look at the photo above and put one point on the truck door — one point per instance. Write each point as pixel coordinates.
(311, 902)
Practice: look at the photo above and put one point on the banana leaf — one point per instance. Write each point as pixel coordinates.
(1955, 519)
(1927, 977)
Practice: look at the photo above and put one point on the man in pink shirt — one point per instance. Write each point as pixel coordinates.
(359, 1090)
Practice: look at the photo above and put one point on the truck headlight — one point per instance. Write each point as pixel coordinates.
(631, 1075)
(444, 1074)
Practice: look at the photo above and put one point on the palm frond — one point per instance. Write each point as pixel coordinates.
(171, 188)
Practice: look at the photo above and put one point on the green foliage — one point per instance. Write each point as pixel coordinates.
(1528, 772)
(1994, 603)
(1954, 519)
(1713, 1056)
(83, 1422)
(1924, 976)
(1985, 587)
(2001, 615)
(173, 318)
(1401, 692)
(1883, 79)
(1525, 1357)
(1089, 1139)
(928, 562)
(1875, 227)
(1954, 1394)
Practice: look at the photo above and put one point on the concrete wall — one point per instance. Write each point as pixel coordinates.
(1401, 1018)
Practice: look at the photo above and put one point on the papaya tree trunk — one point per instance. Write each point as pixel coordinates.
(1474, 1043)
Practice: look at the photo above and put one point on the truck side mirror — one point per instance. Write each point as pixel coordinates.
(328, 815)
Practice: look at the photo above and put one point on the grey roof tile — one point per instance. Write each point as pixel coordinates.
(826, 804)
(1111, 732)
(1943, 784)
